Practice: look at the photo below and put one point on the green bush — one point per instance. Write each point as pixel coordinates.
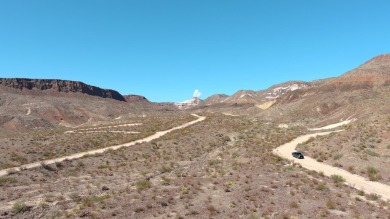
(6, 180)
(337, 156)
(90, 201)
(372, 170)
(19, 207)
(373, 174)
(371, 153)
(373, 197)
(143, 184)
(337, 179)
(330, 204)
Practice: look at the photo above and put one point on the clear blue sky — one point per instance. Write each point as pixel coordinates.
(165, 49)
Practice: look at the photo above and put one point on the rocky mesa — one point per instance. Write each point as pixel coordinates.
(60, 86)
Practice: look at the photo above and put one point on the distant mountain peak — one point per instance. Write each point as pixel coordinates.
(376, 67)
(380, 58)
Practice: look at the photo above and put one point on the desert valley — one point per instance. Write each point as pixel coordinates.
(73, 150)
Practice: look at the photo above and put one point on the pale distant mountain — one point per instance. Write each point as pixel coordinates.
(216, 98)
(258, 97)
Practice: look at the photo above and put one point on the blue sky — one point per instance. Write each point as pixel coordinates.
(165, 49)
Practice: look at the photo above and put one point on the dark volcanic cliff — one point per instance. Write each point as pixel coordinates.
(60, 86)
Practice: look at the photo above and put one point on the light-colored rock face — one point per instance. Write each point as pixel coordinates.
(279, 91)
(242, 96)
(188, 103)
(258, 98)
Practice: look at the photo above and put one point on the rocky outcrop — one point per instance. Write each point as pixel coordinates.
(135, 98)
(60, 86)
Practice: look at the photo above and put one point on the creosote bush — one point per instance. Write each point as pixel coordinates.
(337, 179)
(143, 184)
(20, 207)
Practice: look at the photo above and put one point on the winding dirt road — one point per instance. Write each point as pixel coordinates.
(102, 150)
(352, 180)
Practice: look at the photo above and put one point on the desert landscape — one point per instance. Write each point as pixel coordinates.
(223, 109)
(223, 157)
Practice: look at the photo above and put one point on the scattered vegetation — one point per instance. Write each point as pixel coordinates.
(193, 172)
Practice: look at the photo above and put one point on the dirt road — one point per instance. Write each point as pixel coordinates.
(102, 150)
(332, 126)
(352, 180)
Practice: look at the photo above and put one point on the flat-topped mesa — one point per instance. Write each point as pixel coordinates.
(64, 86)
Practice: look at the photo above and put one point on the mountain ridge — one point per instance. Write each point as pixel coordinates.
(63, 86)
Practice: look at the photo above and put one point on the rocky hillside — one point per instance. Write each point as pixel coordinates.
(258, 97)
(35, 104)
(135, 98)
(216, 98)
(60, 86)
(359, 93)
(374, 72)
(379, 65)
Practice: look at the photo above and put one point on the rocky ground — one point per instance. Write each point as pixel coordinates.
(222, 167)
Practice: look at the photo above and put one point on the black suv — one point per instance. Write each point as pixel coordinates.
(298, 155)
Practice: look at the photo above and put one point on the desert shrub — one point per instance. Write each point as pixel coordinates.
(143, 184)
(322, 187)
(90, 201)
(75, 197)
(337, 179)
(337, 156)
(20, 207)
(373, 174)
(372, 170)
(18, 158)
(253, 216)
(373, 197)
(104, 166)
(293, 204)
(6, 180)
(47, 167)
(235, 154)
(361, 193)
(330, 204)
(351, 169)
(371, 153)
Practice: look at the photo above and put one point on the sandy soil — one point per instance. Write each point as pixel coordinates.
(102, 150)
(352, 180)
